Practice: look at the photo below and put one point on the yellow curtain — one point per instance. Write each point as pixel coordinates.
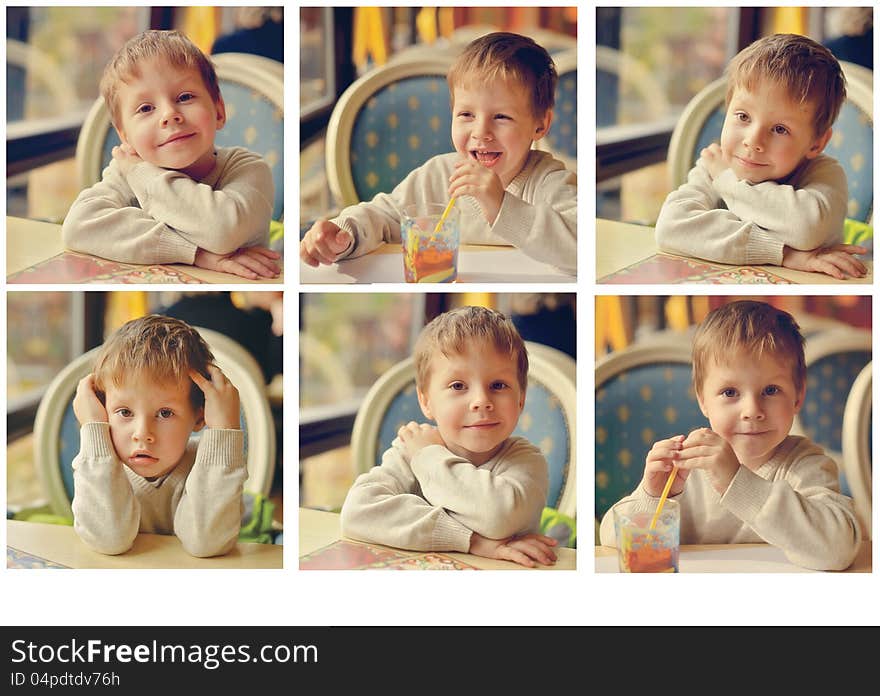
(613, 324)
(369, 37)
(200, 24)
(446, 21)
(789, 20)
(122, 307)
(426, 24)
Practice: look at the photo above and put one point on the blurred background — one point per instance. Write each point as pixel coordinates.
(54, 59)
(48, 330)
(340, 44)
(348, 340)
(651, 61)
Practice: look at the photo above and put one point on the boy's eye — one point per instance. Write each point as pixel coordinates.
(740, 116)
(465, 114)
(457, 386)
(186, 96)
(499, 386)
(771, 390)
(144, 108)
(124, 412)
(165, 413)
(502, 116)
(780, 130)
(730, 392)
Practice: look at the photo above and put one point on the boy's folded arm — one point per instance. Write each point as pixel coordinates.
(383, 507)
(495, 503)
(691, 223)
(106, 513)
(804, 514)
(546, 229)
(208, 517)
(104, 222)
(220, 220)
(805, 217)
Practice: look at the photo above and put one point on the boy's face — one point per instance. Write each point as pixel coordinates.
(167, 115)
(766, 135)
(475, 399)
(150, 423)
(751, 402)
(494, 125)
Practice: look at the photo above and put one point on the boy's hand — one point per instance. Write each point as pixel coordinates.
(87, 407)
(471, 178)
(248, 262)
(125, 157)
(323, 243)
(659, 462)
(707, 450)
(524, 550)
(713, 159)
(221, 399)
(838, 261)
(415, 437)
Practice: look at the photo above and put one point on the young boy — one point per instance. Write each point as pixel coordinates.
(767, 194)
(169, 195)
(745, 479)
(466, 484)
(502, 90)
(154, 384)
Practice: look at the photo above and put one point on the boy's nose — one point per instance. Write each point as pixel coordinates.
(142, 433)
(751, 409)
(754, 141)
(171, 115)
(480, 400)
(481, 130)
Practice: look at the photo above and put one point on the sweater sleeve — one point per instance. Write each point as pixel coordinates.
(805, 217)
(105, 221)
(545, 229)
(496, 502)
(804, 514)
(208, 517)
(234, 214)
(693, 223)
(106, 514)
(384, 507)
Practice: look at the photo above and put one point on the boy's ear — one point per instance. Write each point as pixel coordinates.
(800, 399)
(543, 125)
(220, 105)
(700, 402)
(200, 419)
(819, 144)
(423, 404)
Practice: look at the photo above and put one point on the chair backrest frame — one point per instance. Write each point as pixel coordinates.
(856, 460)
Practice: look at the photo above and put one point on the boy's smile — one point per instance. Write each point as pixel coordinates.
(150, 423)
(494, 125)
(167, 115)
(766, 135)
(751, 402)
(475, 399)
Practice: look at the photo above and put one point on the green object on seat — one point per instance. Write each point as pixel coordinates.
(276, 231)
(42, 514)
(560, 527)
(857, 232)
(256, 522)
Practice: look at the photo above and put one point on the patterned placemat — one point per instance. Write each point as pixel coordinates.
(21, 559)
(662, 268)
(71, 267)
(352, 555)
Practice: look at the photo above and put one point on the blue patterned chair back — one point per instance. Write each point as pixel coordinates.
(563, 132)
(543, 422)
(400, 127)
(852, 144)
(829, 380)
(252, 121)
(634, 409)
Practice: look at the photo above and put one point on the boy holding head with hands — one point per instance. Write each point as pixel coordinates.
(154, 384)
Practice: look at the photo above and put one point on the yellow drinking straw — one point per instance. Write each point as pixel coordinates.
(663, 496)
(445, 214)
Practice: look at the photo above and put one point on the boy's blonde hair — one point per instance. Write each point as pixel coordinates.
(171, 46)
(806, 69)
(505, 56)
(750, 327)
(164, 348)
(451, 331)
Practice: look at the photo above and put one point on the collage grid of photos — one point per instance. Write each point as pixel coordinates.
(442, 295)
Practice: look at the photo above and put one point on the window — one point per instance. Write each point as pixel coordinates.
(317, 88)
(650, 61)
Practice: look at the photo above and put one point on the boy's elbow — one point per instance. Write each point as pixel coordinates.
(206, 548)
